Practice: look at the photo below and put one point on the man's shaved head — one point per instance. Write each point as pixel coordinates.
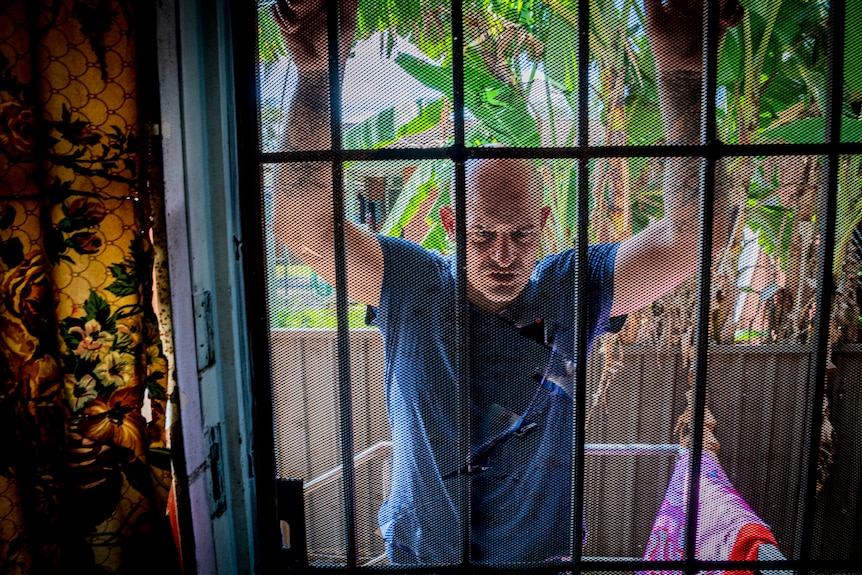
(516, 175)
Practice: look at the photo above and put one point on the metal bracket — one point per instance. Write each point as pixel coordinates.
(218, 504)
(204, 338)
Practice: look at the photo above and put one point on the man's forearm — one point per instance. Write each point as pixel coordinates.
(304, 189)
(680, 93)
(307, 129)
(308, 119)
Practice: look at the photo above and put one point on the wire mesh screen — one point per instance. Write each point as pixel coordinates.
(436, 406)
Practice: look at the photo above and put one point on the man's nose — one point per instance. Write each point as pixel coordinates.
(503, 253)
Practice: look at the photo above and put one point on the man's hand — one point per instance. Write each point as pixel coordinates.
(303, 26)
(675, 31)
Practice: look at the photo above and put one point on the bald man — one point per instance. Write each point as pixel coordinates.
(521, 309)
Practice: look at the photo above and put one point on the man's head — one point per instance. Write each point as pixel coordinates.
(504, 219)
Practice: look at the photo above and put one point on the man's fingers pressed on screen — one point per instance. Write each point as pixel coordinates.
(302, 9)
(731, 13)
(654, 9)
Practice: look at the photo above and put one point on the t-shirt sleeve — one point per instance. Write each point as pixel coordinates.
(600, 288)
(601, 258)
(411, 274)
(558, 276)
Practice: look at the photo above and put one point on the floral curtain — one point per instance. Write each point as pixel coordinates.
(85, 469)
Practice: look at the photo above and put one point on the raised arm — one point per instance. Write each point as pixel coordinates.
(303, 194)
(653, 262)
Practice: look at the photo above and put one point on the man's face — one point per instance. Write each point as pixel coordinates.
(504, 222)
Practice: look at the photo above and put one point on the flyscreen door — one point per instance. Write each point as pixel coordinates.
(554, 286)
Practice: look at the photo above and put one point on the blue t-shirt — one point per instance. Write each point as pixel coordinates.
(521, 407)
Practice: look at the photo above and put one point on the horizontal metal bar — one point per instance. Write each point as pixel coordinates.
(385, 447)
(714, 150)
(632, 449)
(605, 564)
(380, 560)
(358, 459)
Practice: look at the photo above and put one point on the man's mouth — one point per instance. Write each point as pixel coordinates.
(503, 277)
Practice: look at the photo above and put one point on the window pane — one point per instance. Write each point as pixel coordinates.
(520, 77)
(838, 531)
(772, 74)
(304, 368)
(396, 91)
(416, 320)
(765, 284)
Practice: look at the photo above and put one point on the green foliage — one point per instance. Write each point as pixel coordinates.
(775, 227)
(436, 238)
(427, 23)
(772, 67)
(849, 174)
(133, 274)
(380, 130)
(849, 205)
(430, 175)
(747, 335)
(853, 49)
(373, 132)
(501, 109)
(97, 308)
(811, 130)
(561, 64)
(317, 318)
(517, 11)
(270, 46)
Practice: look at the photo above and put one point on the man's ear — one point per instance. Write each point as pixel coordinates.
(546, 211)
(447, 218)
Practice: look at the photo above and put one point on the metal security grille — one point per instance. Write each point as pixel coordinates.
(323, 447)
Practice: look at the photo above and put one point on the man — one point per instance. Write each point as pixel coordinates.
(521, 310)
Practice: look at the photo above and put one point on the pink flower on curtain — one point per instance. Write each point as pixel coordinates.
(94, 341)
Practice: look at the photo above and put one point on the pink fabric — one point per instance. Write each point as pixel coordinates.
(727, 527)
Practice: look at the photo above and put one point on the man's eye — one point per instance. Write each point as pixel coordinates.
(522, 236)
(482, 236)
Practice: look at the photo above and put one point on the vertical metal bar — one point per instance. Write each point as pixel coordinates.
(458, 78)
(583, 76)
(463, 311)
(826, 217)
(580, 351)
(707, 195)
(464, 367)
(344, 392)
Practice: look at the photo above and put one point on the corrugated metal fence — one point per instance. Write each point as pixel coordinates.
(756, 393)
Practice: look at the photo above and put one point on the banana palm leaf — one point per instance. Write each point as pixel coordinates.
(500, 108)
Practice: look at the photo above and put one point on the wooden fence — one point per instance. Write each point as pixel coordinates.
(756, 393)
